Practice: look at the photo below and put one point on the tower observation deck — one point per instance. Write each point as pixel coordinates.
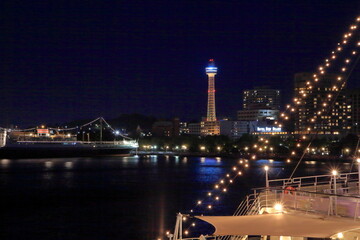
(211, 71)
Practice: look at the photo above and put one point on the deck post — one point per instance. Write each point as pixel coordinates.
(334, 174)
(178, 227)
(358, 161)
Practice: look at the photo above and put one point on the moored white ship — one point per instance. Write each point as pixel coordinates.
(51, 142)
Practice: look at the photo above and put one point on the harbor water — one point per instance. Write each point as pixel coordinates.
(123, 197)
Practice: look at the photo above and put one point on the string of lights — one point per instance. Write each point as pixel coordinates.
(75, 128)
(114, 131)
(322, 70)
(78, 127)
(330, 98)
(326, 107)
(23, 130)
(215, 195)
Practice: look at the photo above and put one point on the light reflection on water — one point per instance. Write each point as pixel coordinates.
(4, 163)
(143, 192)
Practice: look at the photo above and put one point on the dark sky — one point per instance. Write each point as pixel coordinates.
(66, 60)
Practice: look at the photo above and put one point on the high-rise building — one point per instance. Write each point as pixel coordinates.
(261, 98)
(260, 104)
(335, 119)
(354, 96)
(211, 126)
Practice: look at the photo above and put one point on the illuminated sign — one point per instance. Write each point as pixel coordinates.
(43, 131)
(268, 129)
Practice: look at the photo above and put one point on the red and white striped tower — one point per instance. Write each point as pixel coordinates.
(211, 126)
(211, 71)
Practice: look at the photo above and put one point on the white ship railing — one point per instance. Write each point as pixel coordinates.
(318, 194)
(318, 180)
(326, 195)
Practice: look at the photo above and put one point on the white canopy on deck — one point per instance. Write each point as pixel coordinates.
(281, 224)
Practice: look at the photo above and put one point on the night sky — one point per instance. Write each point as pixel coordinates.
(67, 60)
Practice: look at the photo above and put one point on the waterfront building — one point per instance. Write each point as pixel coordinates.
(259, 104)
(233, 129)
(354, 97)
(266, 128)
(337, 121)
(166, 128)
(210, 126)
(261, 98)
(194, 129)
(183, 128)
(257, 114)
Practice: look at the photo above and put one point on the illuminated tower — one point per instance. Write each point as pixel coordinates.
(211, 126)
(211, 71)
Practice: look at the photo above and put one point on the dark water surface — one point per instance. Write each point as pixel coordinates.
(121, 197)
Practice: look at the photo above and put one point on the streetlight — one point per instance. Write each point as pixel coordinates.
(335, 173)
(266, 168)
(278, 207)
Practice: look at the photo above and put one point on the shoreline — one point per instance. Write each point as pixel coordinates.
(247, 156)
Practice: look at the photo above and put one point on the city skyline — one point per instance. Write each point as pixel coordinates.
(67, 62)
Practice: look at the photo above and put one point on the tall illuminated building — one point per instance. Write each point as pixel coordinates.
(211, 126)
(335, 121)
